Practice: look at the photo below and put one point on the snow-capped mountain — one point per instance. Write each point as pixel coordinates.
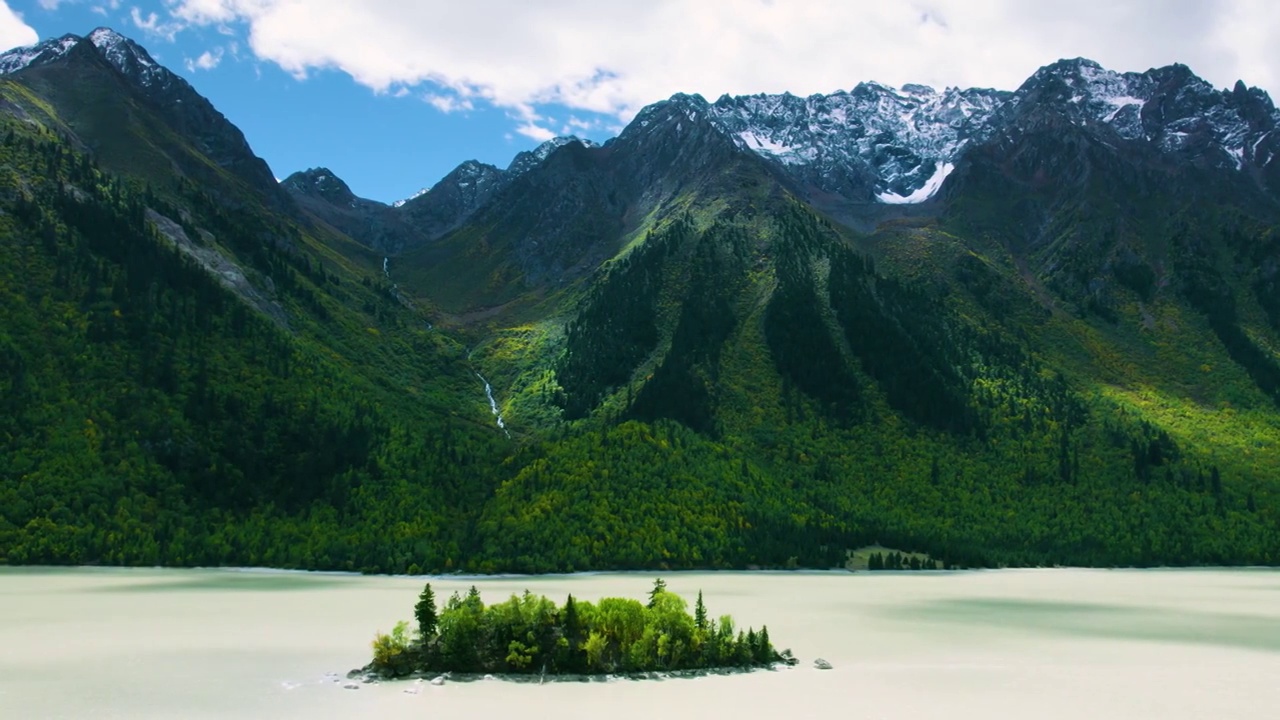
(867, 146)
(881, 145)
(38, 54)
(123, 54)
(873, 142)
(529, 159)
(1169, 108)
(69, 59)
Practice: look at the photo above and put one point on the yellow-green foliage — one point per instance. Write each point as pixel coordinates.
(529, 633)
(388, 648)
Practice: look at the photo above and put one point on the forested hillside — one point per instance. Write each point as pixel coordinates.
(1066, 356)
(153, 417)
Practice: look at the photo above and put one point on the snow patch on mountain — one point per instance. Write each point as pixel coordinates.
(40, 53)
(924, 192)
(764, 145)
(529, 159)
(869, 142)
(877, 143)
(1120, 103)
(130, 58)
(124, 54)
(415, 196)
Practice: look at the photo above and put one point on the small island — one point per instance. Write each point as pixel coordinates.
(528, 635)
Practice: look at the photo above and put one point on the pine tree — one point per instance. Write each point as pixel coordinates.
(572, 633)
(659, 587)
(764, 648)
(700, 613)
(425, 613)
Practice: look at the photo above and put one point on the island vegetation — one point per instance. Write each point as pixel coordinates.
(529, 634)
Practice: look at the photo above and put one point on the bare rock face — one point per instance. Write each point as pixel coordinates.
(231, 275)
(821, 664)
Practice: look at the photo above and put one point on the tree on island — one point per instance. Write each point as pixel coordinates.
(425, 613)
(659, 586)
(700, 613)
(571, 655)
(529, 634)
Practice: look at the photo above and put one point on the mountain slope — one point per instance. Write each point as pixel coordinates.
(1021, 328)
(138, 117)
(323, 196)
(195, 381)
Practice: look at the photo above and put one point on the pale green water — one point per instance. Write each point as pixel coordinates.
(88, 643)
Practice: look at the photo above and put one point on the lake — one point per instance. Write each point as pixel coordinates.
(116, 643)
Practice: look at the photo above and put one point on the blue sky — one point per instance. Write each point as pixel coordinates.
(385, 147)
(392, 94)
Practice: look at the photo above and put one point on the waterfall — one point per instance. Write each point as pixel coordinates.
(493, 405)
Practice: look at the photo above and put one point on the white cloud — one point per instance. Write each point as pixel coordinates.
(535, 131)
(207, 60)
(447, 103)
(615, 57)
(14, 32)
(152, 24)
(100, 9)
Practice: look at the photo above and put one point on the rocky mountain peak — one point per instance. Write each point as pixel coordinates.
(1171, 108)
(189, 114)
(470, 178)
(525, 161)
(872, 143)
(38, 54)
(129, 57)
(321, 183)
(123, 54)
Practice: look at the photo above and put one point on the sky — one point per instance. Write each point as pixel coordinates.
(393, 94)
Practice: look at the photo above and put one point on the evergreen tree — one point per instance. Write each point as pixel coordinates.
(700, 611)
(764, 648)
(659, 587)
(425, 613)
(572, 635)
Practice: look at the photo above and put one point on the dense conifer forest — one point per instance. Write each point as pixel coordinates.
(190, 375)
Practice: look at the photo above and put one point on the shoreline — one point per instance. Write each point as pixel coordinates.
(468, 577)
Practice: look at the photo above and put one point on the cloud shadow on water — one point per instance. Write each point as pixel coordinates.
(231, 582)
(1101, 621)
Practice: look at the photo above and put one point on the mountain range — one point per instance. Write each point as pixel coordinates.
(997, 328)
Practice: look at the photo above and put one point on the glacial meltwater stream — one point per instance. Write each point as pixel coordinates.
(493, 406)
(1167, 644)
